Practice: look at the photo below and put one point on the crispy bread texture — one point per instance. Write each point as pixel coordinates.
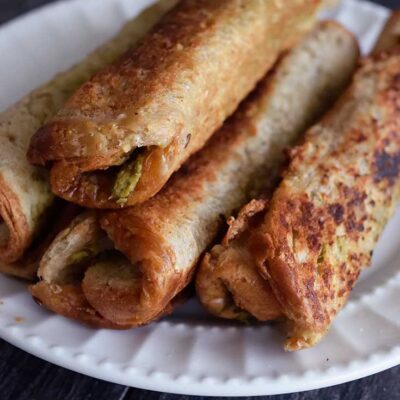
(228, 282)
(338, 193)
(60, 287)
(27, 266)
(164, 98)
(25, 194)
(162, 239)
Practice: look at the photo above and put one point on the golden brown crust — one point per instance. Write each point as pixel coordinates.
(26, 266)
(164, 237)
(168, 94)
(16, 231)
(60, 288)
(25, 195)
(337, 195)
(68, 300)
(168, 233)
(228, 282)
(147, 283)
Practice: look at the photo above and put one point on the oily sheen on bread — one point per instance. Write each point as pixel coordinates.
(26, 200)
(122, 134)
(228, 282)
(341, 188)
(160, 241)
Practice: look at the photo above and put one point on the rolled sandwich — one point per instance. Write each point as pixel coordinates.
(123, 133)
(300, 255)
(228, 282)
(123, 268)
(61, 215)
(324, 220)
(326, 217)
(26, 201)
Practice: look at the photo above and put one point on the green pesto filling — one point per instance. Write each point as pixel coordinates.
(85, 254)
(127, 179)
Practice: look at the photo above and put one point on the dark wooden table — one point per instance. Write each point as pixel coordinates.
(25, 377)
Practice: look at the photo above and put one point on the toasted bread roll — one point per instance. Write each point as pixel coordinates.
(62, 268)
(61, 214)
(228, 283)
(341, 188)
(162, 239)
(25, 194)
(123, 133)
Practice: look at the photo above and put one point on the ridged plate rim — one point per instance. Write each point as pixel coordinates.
(24, 337)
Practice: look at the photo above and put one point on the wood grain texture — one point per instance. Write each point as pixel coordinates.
(25, 377)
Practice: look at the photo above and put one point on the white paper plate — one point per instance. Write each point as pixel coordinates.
(190, 352)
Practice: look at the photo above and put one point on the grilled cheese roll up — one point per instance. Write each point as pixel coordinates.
(228, 282)
(159, 242)
(25, 194)
(122, 134)
(338, 193)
